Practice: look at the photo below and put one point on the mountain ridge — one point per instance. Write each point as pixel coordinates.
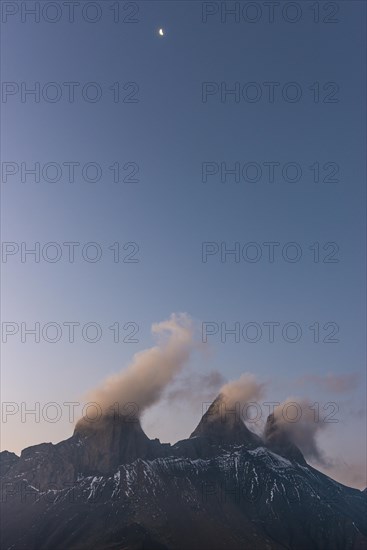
(111, 487)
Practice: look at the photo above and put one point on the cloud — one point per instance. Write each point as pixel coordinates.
(196, 388)
(334, 383)
(151, 370)
(299, 421)
(244, 390)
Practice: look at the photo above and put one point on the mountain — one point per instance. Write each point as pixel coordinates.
(222, 424)
(279, 442)
(111, 487)
(7, 460)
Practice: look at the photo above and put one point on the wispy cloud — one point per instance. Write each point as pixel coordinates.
(195, 388)
(151, 370)
(333, 383)
(296, 418)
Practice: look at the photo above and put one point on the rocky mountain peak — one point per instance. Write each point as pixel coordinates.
(109, 441)
(223, 423)
(110, 486)
(7, 460)
(278, 441)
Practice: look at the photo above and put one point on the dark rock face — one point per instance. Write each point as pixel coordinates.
(278, 442)
(110, 487)
(111, 441)
(95, 448)
(223, 425)
(7, 460)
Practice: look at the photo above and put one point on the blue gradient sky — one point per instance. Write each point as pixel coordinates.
(170, 212)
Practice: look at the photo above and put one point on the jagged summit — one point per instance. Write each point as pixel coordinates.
(223, 423)
(112, 424)
(278, 441)
(110, 486)
(7, 460)
(110, 441)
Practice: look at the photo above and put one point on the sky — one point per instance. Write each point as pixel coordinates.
(217, 170)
